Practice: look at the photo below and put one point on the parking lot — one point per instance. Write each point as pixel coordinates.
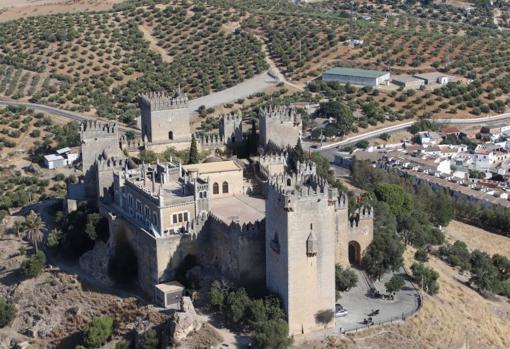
(359, 304)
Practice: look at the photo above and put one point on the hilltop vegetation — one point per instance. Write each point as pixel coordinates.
(101, 61)
(98, 62)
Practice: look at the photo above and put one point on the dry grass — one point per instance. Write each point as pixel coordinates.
(477, 238)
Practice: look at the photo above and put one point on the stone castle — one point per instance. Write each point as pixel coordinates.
(269, 224)
(166, 121)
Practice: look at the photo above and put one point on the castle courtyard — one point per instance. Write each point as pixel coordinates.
(239, 208)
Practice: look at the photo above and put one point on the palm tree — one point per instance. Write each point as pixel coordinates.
(34, 226)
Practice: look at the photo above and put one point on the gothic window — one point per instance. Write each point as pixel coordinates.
(275, 243)
(311, 245)
(215, 188)
(171, 135)
(225, 187)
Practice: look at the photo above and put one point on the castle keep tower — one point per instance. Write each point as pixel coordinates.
(280, 126)
(231, 128)
(165, 119)
(300, 246)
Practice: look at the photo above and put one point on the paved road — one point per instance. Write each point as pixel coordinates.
(405, 125)
(359, 305)
(60, 112)
(248, 87)
(329, 150)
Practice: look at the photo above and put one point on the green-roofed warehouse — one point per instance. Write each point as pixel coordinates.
(356, 76)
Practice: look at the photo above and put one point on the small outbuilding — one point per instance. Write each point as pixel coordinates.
(407, 81)
(169, 294)
(356, 76)
(53, 161)
(434, 78)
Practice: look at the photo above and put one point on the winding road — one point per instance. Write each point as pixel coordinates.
(329, 150)
(405, 125)
(61, 112)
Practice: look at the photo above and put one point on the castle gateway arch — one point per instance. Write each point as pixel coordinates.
(354, 252)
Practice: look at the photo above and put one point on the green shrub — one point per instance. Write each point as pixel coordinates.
(7, 312)
(98, 331)
(345, 279)
(149, 340)
(324, 316)
(425, 277)
(421, 255)
(272, 334)
(122, 344)
(394, 284)
(33, 265)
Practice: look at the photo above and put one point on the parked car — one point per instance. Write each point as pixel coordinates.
(340, 311)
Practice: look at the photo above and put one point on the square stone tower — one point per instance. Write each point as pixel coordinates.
(300, 246)
(280, 126)
(99, 141)
(231, 128)
(165, 119)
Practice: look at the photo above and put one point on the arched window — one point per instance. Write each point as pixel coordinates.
(215, 188)
(225, 187)
(171, 135)
(288, 181)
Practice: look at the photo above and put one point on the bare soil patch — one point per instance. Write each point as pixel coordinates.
(153, 43)
(14, 9)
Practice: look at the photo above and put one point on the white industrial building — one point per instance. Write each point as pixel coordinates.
(64, 157)
(357, 76)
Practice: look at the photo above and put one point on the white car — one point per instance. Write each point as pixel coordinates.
(340, 311)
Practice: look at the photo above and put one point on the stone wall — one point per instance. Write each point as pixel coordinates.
(236, 250)
(157, 258)
(357, 230)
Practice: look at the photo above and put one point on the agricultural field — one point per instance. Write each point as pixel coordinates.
(25, 137)
(101, 61)
(97, 63)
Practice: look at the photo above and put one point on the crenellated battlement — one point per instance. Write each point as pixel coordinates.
(343, 201)
(131, 144)
(96, 129)
(290, 189)
(271, 159)
(233, 116)
(157, 101)
(110, 163)
(365, 212)
(238, 230)
(281, 113)
(210, 140)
